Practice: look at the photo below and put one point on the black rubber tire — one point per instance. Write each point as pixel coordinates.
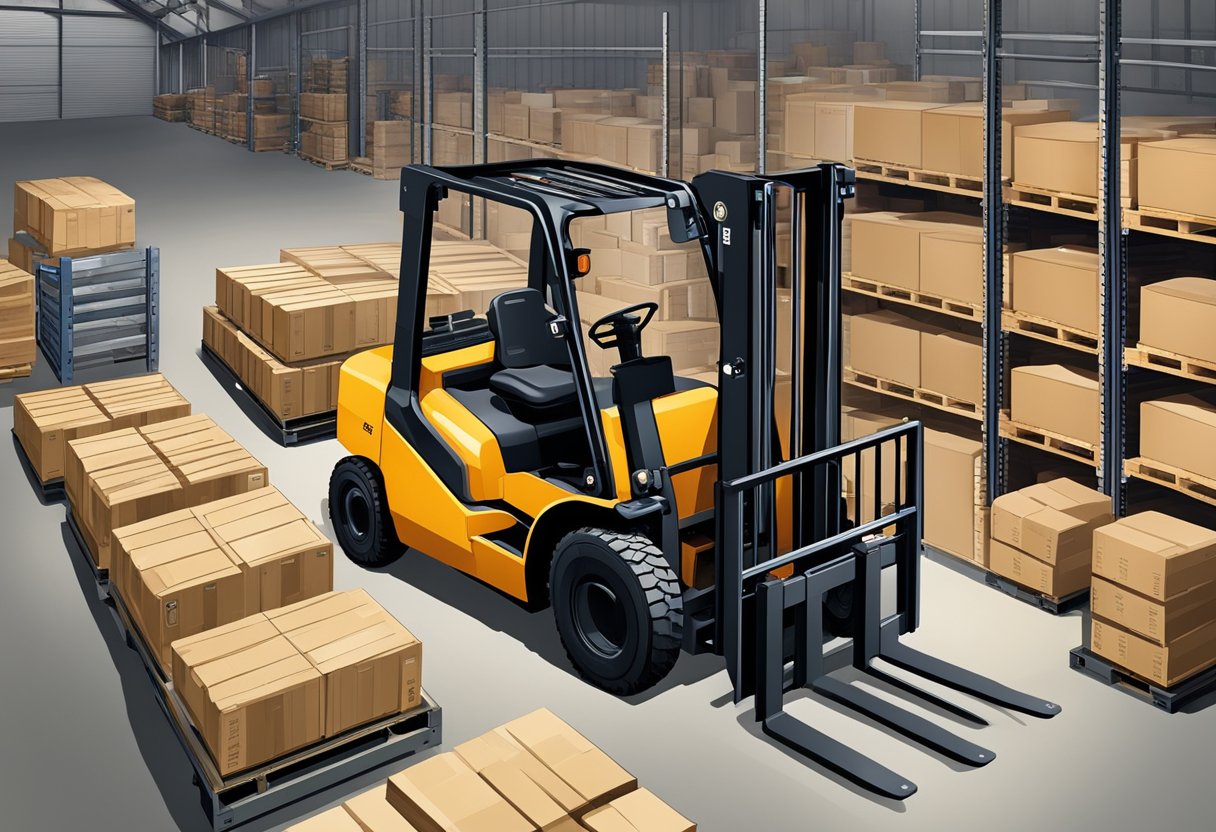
(359, 512)
(618, 609)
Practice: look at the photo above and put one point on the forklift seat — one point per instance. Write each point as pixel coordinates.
(536, 364)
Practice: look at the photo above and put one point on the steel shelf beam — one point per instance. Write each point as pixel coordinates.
(993, 348)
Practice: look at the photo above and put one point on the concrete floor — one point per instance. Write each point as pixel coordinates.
(85, 747)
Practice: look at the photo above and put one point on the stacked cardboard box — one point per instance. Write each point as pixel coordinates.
(192, 570)
(1058, 399)
(1154, 596)
(46, 421)
(1171, 172)
(1058, 284)
(1179, 316)
(18, 349)
(389, 148)
(328, 75)
(274, 682)
(956, 515)
(125, 476)
(1180, 433)
(1043, 536)
(170, 107)
(72, 216)
(916, 354)
(534, 773)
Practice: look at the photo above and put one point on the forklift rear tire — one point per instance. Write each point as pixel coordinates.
(359, 511)
(618, 608)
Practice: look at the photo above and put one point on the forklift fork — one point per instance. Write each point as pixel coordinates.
(873, 639)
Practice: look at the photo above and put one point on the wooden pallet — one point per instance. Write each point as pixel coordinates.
(324, 163)
(1039, 199)
(1042, 329)
(361, 164)
(918, 395)
(1164, 361)
(1045, 440)
(1184, 482)
(1170, 699)
(1171, 224)
(7, 374)
(921, 300)
(950, 183)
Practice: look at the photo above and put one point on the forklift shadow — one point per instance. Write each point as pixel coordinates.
(167, 762)
(532, 628)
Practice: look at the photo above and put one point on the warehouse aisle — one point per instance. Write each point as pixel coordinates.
(86, 747)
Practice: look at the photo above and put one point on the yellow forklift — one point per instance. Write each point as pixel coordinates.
(488, 443)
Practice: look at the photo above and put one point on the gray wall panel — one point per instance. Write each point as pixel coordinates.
(29, 66)
(108, 66)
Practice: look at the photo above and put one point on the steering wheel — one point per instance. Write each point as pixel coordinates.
(623, 328)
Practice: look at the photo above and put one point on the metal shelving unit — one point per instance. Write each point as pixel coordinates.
(99, 310)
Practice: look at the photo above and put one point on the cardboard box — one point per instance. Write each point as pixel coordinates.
(953, 137)
(890, 132)
(1180, 431)
(1064, 157)
(638, 811)
(886, 246)
(1058, 399)
(688, 343)
(44, 422)
(887, 345)
(579, 133)
(323, 106)
(74, 215)
(250, 694)
(1052, 521)
(954, 521)
(442, 794)
(1171, 176)
(612, 138)
(370, 663)
(835, 130)
(545, 125)
(951, 363)
(1158, 621)
(534, 790)
(735, 110)
(138, 401)
(1155, 555)
(594, 775)
(373, 813)
(17, 337)
(952, 265)
(208, 463)
(1165, 666)
(1179, 316)
(644, 146)
(1058, 284)
(855, 424)
(1055, 581)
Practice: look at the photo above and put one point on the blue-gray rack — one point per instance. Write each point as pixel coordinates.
(100, 309)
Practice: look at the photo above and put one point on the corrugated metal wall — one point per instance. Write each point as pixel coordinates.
(108, 67)
(29, 66)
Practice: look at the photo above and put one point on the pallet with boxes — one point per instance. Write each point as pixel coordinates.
(170, 107)
(18, 348)
(533, 773)
(324, 128)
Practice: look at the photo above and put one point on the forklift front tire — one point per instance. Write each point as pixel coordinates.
(359, 512)
(618, 609)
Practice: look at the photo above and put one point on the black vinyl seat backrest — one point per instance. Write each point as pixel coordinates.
(520, 322)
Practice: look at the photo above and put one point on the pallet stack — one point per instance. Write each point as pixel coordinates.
(388, 148)
(324, 115)
(18, 345)
(170, 107)
(534, 773)
(201, 106)
(70, 217)
(284, 329)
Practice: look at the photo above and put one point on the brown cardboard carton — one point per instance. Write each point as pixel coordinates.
(374, 813)
(175, 580)
(1180, 432)
(525, 782)
(951, 363)
(612, 138)
(953, 488)
(1063, 157)
(1172, 173)
(638, 811)
(1158, 621)
(1165, 666)
(282, 556)
(442, 794)
(887, 345)
(1155, 554)
(643, 146)
(135, 402)
(208, 463)
(952, 265)
(886, 246)
(545, 125)
(1059, 399)
(1053, 580)
(17, 337)
(1052, 521)
(46, 421)
(953, 137)
(835, 130)
(735, 109)
(252, 698)
(594, 775)
(935, 93)
(688, 343)
(371, 665)
(890, 132)
(1059, 284)
(92, 454)
(74, 215)
(855, 424)
(1179, 316)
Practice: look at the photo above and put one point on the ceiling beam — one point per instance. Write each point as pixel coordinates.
(137, 11)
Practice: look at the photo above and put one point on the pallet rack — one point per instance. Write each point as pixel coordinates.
(104, 308)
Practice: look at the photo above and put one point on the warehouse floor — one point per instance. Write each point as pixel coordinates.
(85, 746)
